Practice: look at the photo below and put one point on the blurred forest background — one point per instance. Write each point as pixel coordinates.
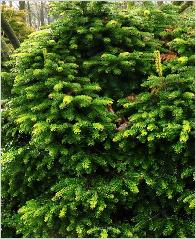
(18, 20)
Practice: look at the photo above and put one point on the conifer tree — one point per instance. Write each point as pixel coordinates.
(161, 120)
(98, 133)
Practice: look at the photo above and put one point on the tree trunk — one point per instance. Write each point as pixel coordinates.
(9, 32)
(5, 52)
(10, 3)
(178, 3)
(29, 14)
(185, 5)
(50, 19)
(42, 14)
(160, 3)
(36, 16)
(21, 5)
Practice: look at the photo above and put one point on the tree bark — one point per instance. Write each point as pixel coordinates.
(9, 32)
(21, 5)
(185, 5)
(178, 3)
(4, 50)
(50, 19)
(42, 14)
(160, 3)
(29, 14)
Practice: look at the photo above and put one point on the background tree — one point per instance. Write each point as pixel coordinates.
(14, 31)
(35, 13)
(22, 5)
(9, 32)
(29, 14)
(42, 14)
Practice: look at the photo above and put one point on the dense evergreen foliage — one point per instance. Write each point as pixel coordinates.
(99, 131)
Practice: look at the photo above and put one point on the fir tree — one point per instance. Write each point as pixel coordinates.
(98, 133)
